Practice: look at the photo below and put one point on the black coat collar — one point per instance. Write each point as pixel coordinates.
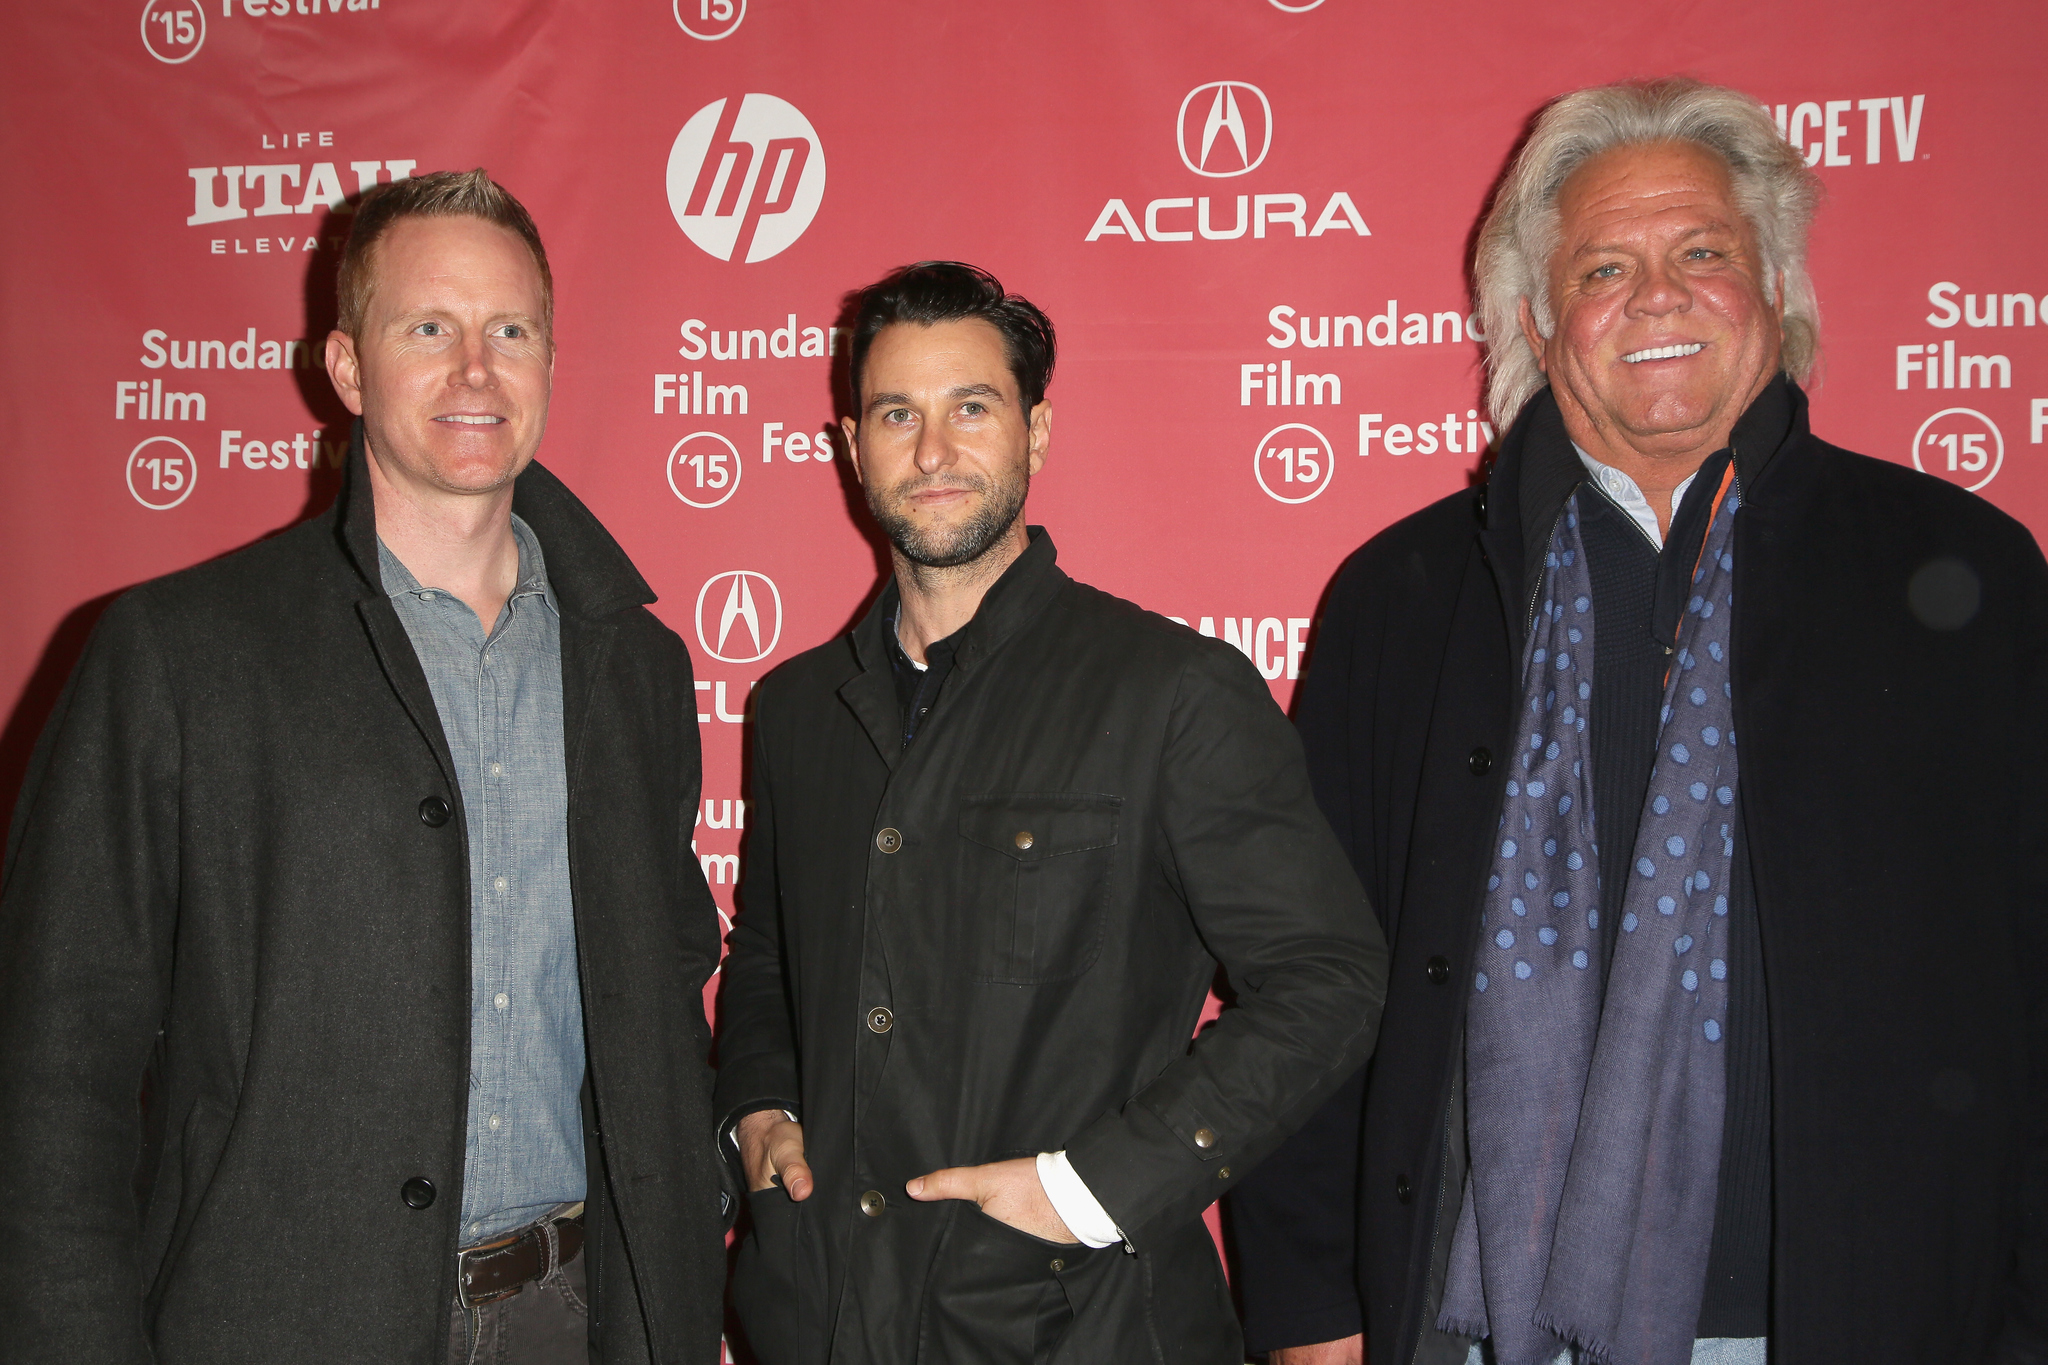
(1538, 470)
(1011, 601)
(591, 575)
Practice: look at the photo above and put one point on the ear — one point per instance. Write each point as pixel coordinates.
(344, 370)
(1041, 433)
(850, 429)
(1527, 315)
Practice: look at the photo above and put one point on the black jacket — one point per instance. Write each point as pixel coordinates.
(220, 875)
(1891, 691)
(1101, 808)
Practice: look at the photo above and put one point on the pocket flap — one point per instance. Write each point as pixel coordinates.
(1031, 827)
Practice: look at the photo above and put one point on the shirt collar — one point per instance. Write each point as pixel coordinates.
(533, 570)
(1624, 493)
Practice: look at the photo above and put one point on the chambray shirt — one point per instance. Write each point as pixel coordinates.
(500, 703)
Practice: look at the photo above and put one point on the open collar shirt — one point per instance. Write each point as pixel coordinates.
(499, 698)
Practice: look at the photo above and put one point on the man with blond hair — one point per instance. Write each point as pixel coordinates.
(363, 856)
(1692, 1052)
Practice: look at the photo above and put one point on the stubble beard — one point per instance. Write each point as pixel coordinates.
(950, 547)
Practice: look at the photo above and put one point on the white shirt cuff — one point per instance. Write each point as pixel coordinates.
(1077, 1208)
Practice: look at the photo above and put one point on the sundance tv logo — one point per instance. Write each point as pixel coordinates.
(745, 177)
(1220, 124)
(748, 613)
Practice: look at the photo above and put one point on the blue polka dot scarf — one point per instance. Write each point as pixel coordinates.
(1595, 1089)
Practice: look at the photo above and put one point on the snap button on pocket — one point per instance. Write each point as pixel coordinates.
(889, 840)
(1023, 838)
(1205, 1138)
(880, 1020)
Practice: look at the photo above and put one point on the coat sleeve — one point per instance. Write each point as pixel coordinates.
(2024, 1337)
(1294, 1221)
(756, 1032)
(88, 911)
(1279, 907)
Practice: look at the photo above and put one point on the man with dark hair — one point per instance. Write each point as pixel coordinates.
(1003, 835)
(368, 846)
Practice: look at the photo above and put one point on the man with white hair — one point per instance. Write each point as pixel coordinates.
(1678, 1063)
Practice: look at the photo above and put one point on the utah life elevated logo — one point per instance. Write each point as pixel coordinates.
(745, 177)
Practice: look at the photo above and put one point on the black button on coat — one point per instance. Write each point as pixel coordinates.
(1895, 800)
(1099, 802)
(223, 835)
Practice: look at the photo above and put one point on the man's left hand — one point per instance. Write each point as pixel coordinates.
(1007, 1191)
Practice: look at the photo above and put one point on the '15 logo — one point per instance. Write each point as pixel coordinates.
(704, 469)
(162, 472)
(709, 19)
(1293, 463)
(1961, 445)
(745, 177)
(173, 31)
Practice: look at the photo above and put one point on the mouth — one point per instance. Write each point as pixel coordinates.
(1664, 352)
(471, 419)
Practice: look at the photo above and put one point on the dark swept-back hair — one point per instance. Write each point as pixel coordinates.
(440, 194)
(949, 291)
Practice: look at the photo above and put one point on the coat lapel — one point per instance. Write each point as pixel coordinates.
(586, 645)
(355, 516)
(871, 693)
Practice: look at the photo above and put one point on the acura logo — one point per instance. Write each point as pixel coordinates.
(745, 618)
(1226, 128)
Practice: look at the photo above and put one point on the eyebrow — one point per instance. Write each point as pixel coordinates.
(884, 400)
(1703, 229)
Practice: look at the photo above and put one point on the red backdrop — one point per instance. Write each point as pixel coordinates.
(1204, 194)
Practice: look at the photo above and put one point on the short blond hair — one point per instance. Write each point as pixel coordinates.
(440, 194)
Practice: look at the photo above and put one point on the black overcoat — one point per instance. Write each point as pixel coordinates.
(1101, 808)
(1891, 692)
(219, 874)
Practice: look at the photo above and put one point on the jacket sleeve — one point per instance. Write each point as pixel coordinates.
(2024, 1338)
(756, 1032)
(88, 911)
(1294, 1221)
(1279, 907)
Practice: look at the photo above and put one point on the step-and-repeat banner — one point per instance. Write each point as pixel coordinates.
(1249, 219)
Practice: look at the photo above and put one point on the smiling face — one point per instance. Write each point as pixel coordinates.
(1665, 325)
(452, 371)
(942, 445)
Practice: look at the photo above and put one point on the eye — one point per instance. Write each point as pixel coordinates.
(972, 409)
(430, 329)
(1606, 272)
(512, 330)
(1700, 253)
(897, 415)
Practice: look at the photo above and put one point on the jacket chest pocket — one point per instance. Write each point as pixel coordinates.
(1041, 873)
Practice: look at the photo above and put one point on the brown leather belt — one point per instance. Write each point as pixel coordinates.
(498, 1270)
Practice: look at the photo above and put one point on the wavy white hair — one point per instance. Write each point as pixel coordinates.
(1772, 186)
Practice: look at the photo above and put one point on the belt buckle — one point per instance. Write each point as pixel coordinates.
(463, 1259)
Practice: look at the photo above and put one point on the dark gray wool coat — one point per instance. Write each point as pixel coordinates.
(219, 877)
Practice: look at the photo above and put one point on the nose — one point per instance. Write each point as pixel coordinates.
(1660, 290)
(473, 368)
(934, 448)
